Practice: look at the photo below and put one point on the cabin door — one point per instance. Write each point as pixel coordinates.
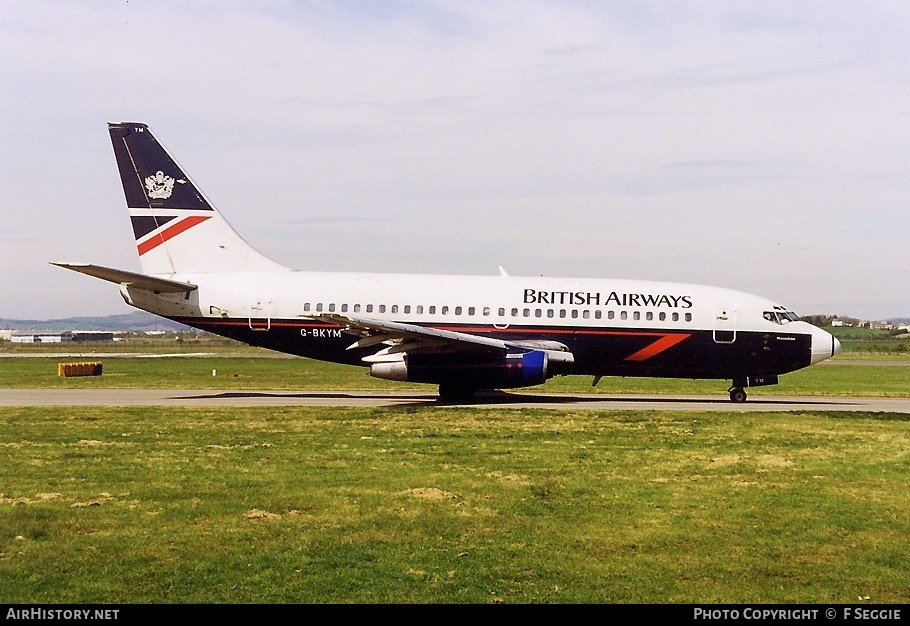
(260, 315)
(724, 322)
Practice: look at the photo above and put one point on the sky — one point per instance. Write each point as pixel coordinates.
(760, 146)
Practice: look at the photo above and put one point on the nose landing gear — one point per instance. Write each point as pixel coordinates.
(738, 389)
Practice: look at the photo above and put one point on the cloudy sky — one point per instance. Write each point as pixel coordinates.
(762, 146)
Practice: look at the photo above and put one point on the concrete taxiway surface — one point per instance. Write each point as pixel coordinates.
(215, 398)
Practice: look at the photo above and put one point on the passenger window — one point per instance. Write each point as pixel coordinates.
(432, 310)
(407, 309)
(306, 307)
(382, 308)
(369, 308)
(394, 308)
(332, 308)
(471, 310)
(356, 308)
(319, 307)
(688, 317)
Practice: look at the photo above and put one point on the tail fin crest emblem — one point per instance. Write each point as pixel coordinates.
(160, 186)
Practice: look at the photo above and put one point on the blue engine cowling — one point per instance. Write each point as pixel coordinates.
(514, 370)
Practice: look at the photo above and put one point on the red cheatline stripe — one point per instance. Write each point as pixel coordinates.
(664, 343)
(171, 231)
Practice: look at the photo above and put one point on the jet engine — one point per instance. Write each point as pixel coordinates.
(514, 370)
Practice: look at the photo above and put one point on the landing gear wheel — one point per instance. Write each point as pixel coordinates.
(455, 392)
(738, 395)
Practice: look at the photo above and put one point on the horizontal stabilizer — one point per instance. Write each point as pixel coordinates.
(133, 279)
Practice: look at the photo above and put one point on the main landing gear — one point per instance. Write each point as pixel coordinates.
(454, 392)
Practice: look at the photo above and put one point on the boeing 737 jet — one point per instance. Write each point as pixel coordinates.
(462, 333)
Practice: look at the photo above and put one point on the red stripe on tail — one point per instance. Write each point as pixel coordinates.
(170, 232)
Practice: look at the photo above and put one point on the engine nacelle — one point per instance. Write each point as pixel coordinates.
(514, 370)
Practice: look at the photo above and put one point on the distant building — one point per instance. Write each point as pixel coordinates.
(92, 335)
(42, 337)
(73, 335)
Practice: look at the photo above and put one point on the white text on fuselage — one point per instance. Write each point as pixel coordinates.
(588, 298)
(320, 333)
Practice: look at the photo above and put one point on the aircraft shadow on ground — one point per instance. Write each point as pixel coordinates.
(489, 398)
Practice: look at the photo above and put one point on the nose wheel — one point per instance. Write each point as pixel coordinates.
(738, 395)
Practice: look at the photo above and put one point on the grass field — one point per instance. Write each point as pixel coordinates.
(273, 505)
(449, 505)
(854, 378)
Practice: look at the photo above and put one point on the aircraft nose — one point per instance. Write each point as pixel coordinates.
(824, 345)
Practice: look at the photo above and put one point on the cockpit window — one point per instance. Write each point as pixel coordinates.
(780, 315)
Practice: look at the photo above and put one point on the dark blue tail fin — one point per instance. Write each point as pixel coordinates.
(177, 230)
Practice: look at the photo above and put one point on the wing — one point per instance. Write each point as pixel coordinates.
(400, 338)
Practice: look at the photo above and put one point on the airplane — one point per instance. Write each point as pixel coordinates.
(462, 333)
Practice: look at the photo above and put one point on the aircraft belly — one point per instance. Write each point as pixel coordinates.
(667, 353)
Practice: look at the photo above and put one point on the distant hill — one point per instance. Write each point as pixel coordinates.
(139, 321)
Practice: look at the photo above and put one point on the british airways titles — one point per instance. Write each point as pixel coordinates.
(588, 298)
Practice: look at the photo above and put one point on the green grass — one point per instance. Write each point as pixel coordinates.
(868, 341)
(853, 379)
(446, 505)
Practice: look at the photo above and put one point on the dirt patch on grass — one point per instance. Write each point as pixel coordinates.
(258, 514)
(431, 493)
